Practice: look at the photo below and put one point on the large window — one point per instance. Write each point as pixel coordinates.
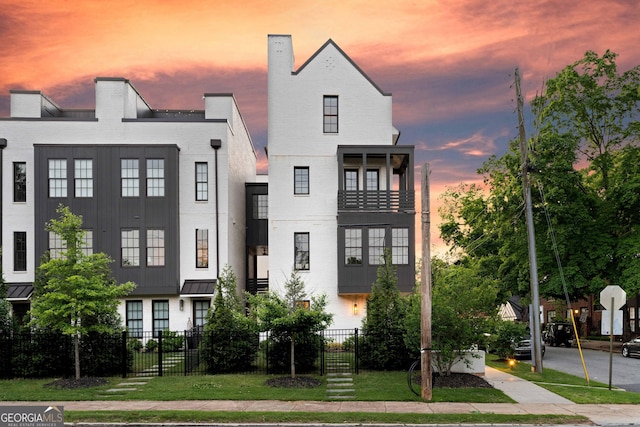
(260, 206)
(202, 248)
(130, 178)
(160, 310)
(353, 246)
(330, 114)
(57, 245)
(376, 246)
(200, 310)
(19, 251)
(130, 248)
(83, 177)
(301, 241)
(202, 181)
(57, 178)
(19, 182)
(155, 177)
(300, 180)
(372, 180)
(155, 248)
(351, 180)
(134, 318)
(400, 246)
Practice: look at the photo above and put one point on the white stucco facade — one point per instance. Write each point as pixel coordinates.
(122, 118)
(296, 139)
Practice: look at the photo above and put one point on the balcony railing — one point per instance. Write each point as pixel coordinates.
(255, 286)
(381, 201)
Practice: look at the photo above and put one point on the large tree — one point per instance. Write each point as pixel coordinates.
(75, 292)
(585, 182)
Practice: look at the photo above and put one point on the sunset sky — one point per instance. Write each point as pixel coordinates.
(449, 64)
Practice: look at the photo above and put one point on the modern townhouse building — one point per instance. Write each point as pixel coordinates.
(160, 191)
(172, 196)
(341, 189)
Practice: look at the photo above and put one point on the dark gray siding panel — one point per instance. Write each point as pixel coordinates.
(257, 229)
(107, 213)
(357, 279)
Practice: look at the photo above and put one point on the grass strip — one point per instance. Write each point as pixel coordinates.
(231, 417)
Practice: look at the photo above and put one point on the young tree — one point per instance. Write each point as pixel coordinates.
(75, 293)
(464, 307)
(383, 346)
(288, 317)
(230, 340)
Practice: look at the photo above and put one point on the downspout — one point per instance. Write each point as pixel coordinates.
(216, 144)
(3, 145)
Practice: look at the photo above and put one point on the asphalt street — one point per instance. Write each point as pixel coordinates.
(625, 372)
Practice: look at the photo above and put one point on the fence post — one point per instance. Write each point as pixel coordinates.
(266, 353)
(356, 352)
(159, 353)
(185, 351)
(322, 353)
(123, 344)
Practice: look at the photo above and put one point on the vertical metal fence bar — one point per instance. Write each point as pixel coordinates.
(124, 353)
(356, 351)
(159, 353)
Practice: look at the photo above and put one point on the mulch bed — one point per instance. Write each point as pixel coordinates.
(457, 380)
(297, 382)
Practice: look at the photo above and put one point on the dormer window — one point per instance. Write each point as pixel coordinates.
(330, 114)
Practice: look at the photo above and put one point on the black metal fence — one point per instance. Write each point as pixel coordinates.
(192, 352)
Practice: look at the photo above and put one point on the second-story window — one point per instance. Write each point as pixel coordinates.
(400, 246)
(19, 182)
(130, 248)
(376, 246)
(301, 241)
(155, 177)
(155, 248)
(260, 206)
(57, 178)
(202, 248)
(353, 246)
(20, 251)
(202, 181)
(330, 114)
(300, 180)
(83, 177)
(129, 178)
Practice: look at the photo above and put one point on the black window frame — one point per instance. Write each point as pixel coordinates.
(330, 115)
(156, 318)
(202, 181)
(20, 182)
(301, 182)
(300, 248)
(19, 251)
(134, 307)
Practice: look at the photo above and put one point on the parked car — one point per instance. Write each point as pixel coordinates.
(558, 333)
(524, 350)
(631, 348)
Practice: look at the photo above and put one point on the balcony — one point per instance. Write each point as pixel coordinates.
(376, 201)
(257, 286)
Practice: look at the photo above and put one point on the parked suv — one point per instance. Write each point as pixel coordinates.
(558, 333)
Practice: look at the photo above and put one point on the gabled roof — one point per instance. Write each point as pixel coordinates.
(332, 43)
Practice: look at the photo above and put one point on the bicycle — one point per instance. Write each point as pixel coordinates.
(414, 375)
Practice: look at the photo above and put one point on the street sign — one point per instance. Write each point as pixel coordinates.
(605, 327)
(615, 293)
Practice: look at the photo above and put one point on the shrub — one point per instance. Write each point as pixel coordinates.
(151, 345)
(507, 334)
(171, 341)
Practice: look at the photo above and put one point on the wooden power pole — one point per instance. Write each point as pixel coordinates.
(425, 290)
(536, 340)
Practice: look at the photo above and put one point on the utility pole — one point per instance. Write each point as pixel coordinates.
(425, 291)
(536, 340)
